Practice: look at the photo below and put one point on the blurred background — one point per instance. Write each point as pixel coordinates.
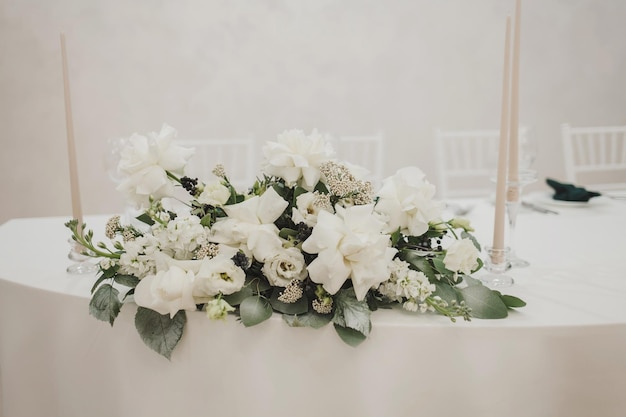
(225, 68)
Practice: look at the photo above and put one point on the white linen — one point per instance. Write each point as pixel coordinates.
(560, 355)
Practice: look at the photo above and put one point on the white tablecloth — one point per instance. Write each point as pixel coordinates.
(562, 355)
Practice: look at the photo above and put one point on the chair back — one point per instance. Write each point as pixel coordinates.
(595, 156)
(467, 161)
(365, 151)
(237, 155)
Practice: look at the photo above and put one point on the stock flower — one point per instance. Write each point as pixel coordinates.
(349, 244)
(167, 291)
(406, 199)
(181, 236)
(296, 157)
(461, 256)
(144, 162)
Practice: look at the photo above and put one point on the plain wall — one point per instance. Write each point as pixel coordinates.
(231, 68)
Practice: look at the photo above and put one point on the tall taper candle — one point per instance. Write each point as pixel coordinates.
(77, 211)
(498, 226)
(513, 190)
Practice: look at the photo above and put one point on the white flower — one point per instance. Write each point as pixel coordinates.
(217, 309)
(218, 275)
(406, 198)
(215, 194)
(181, 236)
(406, 283)
(283, 266)
(136, 259)
(144, 162)
(167, 291)
(296, 157)
(308, 206)
(246, 217)
(461, 256)
(349, 244)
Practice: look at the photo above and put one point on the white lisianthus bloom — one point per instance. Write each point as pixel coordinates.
(308, 206)
(461, 256)
(144, 162)
(215, 194)
(167, 291)
(217, 309)
(406, 199)
(349, 244)
(283, 266)
(296, 157)
(218, 275)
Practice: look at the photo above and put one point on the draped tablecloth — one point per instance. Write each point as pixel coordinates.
(561, 355)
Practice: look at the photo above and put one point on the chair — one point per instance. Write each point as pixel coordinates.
(595, 156)
(466, 161)
(365, 151)
(237, 155)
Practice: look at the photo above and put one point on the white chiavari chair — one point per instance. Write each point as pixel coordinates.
(366, 151)
(595, 156)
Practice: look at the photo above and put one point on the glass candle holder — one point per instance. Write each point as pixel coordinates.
(497, 263)
(82, 263)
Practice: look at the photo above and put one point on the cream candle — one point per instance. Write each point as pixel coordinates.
(77, 212)
(500, 209)
(513, 171)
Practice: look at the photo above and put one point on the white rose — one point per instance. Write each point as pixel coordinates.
(144, 162)
(167, 291)
(349, 244)
(218, 275)
(461, 256)
(406, 199)
(284, 266)
(215, 194)
(296, 157)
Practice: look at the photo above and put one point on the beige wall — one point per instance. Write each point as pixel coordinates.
(229, 68)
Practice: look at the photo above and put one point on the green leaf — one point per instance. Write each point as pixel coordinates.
(419, 262)
(467, 235)
(309, 319)
(299, 307)
(254, 310)
(512, 302)
(127, 280)
(446, 292)
(485, 303)
(471, 280)
(441, 267)
(105, 304)
(350, 336)
(98, 282)
(236, 298)
(158, 331)
(352, 313)
(145, 219)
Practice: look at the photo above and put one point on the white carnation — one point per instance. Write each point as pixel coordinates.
(461, 256)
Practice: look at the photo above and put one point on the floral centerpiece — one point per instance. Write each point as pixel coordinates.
(309, 240)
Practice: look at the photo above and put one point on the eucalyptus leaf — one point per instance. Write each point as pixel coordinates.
(236, 298)
(350, 336)
(158, 331)
(512, 302)
(299, 307)
(352, 313)
(471, 280)
(127, 280)
(105, 304)
(446, 292)
(485, 303)
(254, 310)
(309, 319)
(144, 218)
(98, 282)
(441, 267)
